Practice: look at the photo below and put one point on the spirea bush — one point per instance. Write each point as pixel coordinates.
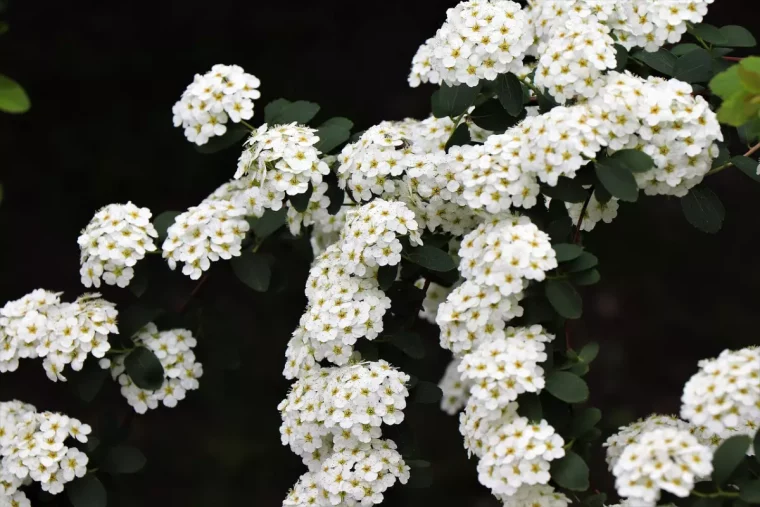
(548, 119)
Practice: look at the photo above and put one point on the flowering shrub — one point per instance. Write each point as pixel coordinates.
(546, 121)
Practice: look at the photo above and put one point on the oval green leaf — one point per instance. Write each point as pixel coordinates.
(13, 98)
(123, 459)
(570, 472)
(431, 258)
(618, 180)
(254, 270)
(703, 209)
(567, 387)
(144, 368)
(567, 251)
(728, 456)
(564, 298)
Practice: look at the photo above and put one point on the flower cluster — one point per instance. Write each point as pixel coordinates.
(455, 389)
(594, 213)
(503, 368)
(40, 325)
(37, 446)
(174, 349)
(213, 230)
(628, 435)
(537, 495)
(724, 396)
(666, 459)
(225, 92)
(479, 40)
(116, 238)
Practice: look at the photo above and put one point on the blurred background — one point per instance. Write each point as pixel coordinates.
(102, 78)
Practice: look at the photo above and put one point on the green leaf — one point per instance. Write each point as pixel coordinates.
(750, 80)
(621, 57)
(338, 121)
(737, 37)
(386, 275)
(123, 459)
(738, 109)
(618, 180)
(426, 392)
(330, 137)
(661, 60)
(564, 298)
(254, 270)
(408, 342)
(567, 387)
(703, 209)
(635, 161)
(453, 101)
(269, 223)
(750, 491)
(709, 33)
(461, 136)
(13, 98)
(529, 405)
(300, 111)
(567, 190)
(417, 463)
(567, 251)
(602, 194)
(595, 500)
(163, 221)
(301, 201)
(728, 456)
(570, 472)
(89, 383)
(588, 277)
(233, 136)
(682, 49)
(723, 156)
(87, 492)
(135, 317)
(747, 165)
(584, 421)
(589, 352)
(490, 115)
(431, 258)
(694, 67)
(586, 261)
(510, 93)
(420, 478)
(144, 368)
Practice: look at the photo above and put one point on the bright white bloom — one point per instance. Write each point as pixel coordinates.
(661, 459)
(538, 495)
(653, 24)
(724, 395)
(116, 238)
(204, 234)
(478, 41)
(315, 212)
(37, 447)
(478, 424)
(225, 92)
(595, 212)
(174, 349)
(40, 325)
(456, 390)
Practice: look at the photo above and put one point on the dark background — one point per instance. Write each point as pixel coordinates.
(103, 76)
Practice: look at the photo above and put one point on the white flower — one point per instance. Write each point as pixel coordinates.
(225, 92)
(538, 495)
(456, 390)
(595, 212)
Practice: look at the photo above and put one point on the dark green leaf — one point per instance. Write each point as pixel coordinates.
(618, 180)
(584, 421)
(586, 261)
(453, 101)
(135, 317)
(233, 137)
(602, 195)
(748, 166)
(567, 251)
(417, 463)
(566, 190)
(682, 49)
(386, 275)
(301, 201)
(254, 270)
(579, 369)
(564, 298)
(420, 478)
(336, 194)
(737, 37)
(567, 387)
(431, 258)
(703, 209)
(273, 109)
(728, 456)
(461, 136)
(694, 67)
(144, 368)
(338, 121)
(570, 472)
(589, 352)
(588, 277)
(13, 98)
(529, 405)
(709, 33)
(330, 137)
(139, 284)
(510, 93)
(89, 383)
(621, 57)
(123, 459)
(408, 342)
(750, 491)
(756, 446)
(546, 102)
(595, 500)
(635, 161)
(300, 111)
(723, 156)
(661, 60)
(162, 222)
(491, 116)
(86, 492)
(426, 392)
(269, 222)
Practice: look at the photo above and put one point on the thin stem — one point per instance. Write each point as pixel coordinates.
(718, 494)
(251, 127)
(577, 236)
(569, 444)
(193, 293)
(729, 164)
(424, 293)
(119, 351)
(456, 125)
(733, 58)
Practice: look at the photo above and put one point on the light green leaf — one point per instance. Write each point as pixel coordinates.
(728, 456)
(703, 209)
(564, 298)
(13, 98)
(567, 387)
(144, 368)
(570, 472)
(738, 109)
(727, 83)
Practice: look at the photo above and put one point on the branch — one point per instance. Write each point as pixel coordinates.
(729, 164)
(577, 236)
(424, 294)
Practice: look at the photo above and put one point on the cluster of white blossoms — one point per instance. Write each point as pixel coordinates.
(537, 495)
(224, 93)
(594, 213)
(213, 230)
(37, 447)
(41, 325)
(370, 166)
(724, 396)
(174, 349)
(666, 459)
(479, 40)
(116, 238)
